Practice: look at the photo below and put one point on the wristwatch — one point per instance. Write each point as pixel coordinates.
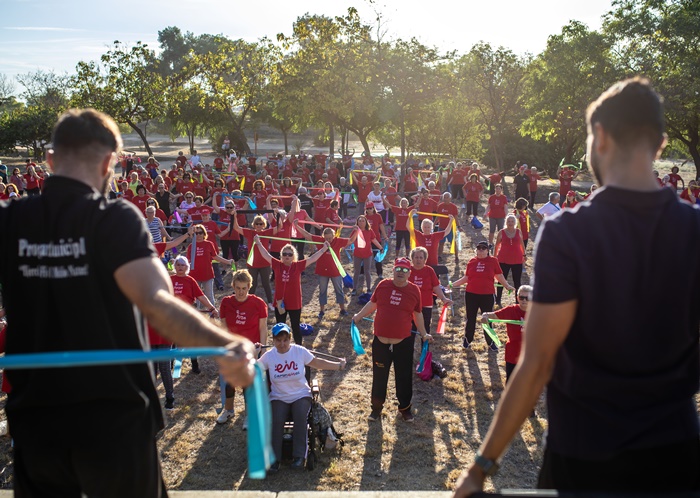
(488, 467)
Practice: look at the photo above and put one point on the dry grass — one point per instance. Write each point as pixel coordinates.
(452, 415)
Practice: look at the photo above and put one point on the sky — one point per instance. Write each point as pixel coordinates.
(52, 35)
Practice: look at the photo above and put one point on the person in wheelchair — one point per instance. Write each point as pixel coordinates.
(290, 391)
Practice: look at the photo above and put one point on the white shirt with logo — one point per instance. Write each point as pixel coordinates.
(286, 372)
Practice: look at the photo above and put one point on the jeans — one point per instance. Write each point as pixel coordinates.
(300, 415)
(264, 273)
(323, 290)
(359, 263)
(207, 287)
(218, 278)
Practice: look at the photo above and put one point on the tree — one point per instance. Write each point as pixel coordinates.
(28, 126)
(493, 81)
(235, 73)
(572, 71)
(7, 89)
(661, 40)
(333, 72)
(192, 112)
(127, 85)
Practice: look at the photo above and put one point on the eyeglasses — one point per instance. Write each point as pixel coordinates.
(401, 269)
(229, 207)
(482, 248)
(288, 254)
(258, 223)
(189, 197)
(150, 204)
(523, 298)
(198, 232)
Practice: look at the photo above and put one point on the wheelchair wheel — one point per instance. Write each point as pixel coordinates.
(311, 461)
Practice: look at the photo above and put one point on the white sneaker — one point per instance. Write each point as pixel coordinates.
(224, 416)
(245, 423)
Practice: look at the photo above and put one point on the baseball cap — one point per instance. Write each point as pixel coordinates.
(482, 243)
(570, 193)
(402, 263)
(279, 328)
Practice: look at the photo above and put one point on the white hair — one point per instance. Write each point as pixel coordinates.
(183, 260)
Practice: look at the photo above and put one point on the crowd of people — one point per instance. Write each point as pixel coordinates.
(268, 221)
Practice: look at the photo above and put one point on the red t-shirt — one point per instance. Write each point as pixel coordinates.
(472, 191)
(288, 191)
(674, 179)
(431, 242)
(32, 182)
(363, 190)
(140, 202)
(523, 222)
(445, 208)
(259, 197)
(375, 221)
(288, 283)
(325, 266)
(204, 254)
(283, 232)
(395, 308)
(243, 318)
(533, 181)
(480, 273)
(425, 206)
(196, 213)
(569, 205)
(425, 279)
(497, 206)
(392, 196)
(401, 217)
(565, 178)
(515, 332)
(320, 206)
(365, 252)
(510, 251)
(258, 260)
(213, 230)
(218, 164)
(458, 177)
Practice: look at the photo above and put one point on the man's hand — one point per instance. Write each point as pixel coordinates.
(471, 481)
(238, 366)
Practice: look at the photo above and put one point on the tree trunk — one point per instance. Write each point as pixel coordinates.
(286, 146)
(331, 140)
(695, 154)
(190, 138)
(403, 137)
(364, 142)
(140, 134)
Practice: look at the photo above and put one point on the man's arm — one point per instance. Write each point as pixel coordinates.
(546, 328)
(145, 283)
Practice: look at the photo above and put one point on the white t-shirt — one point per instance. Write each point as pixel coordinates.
(548, 209)
(286, 373)
(376, 199)
(195, 160)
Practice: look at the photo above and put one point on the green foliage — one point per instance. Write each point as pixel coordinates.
(126, 84)
(572, 71)
(661, 40)
(28, 126)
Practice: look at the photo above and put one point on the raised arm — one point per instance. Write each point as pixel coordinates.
(263, 250)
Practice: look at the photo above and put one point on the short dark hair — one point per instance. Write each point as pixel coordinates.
(631, 112)
(81, 129)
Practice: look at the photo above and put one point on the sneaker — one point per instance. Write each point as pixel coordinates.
(224, 416)
(320, 314)
(297, 464)
(493, 347)
(407, 416)
(245, 423)
(275, 467)
(343, 313)
(195, 368)
(375, 415)
(466, 344)
(169, 403)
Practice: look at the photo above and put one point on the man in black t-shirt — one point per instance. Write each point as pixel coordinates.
(80, 273)
(611, 332)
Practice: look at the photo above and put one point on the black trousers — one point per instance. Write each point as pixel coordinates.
(427, 319)
(295, 318)
(401, 355)
(633, 471)
(475, 303)
(118, 462)
(533, 194)
(517, 276)
(403, 236)
(229, 249)
(472, 208)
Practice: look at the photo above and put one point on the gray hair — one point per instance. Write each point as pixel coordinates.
(553, 196)
(183, 260)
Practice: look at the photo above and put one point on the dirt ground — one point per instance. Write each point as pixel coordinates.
(452, 415)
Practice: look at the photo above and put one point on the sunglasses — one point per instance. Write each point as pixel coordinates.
(189, 197)
(263, 224)
(229, 207)
(150, 204)
(401, 270)
(288, 254)
(199, 232)
(482, 248)
(523, 298)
